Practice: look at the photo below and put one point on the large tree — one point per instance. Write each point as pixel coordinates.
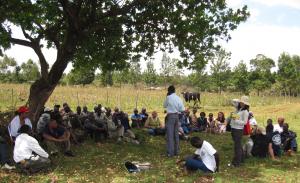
(220, 70)
(105, 33)
(261, 76)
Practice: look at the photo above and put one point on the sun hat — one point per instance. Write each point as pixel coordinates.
(262, 130)
(245, 100)
(23, 109)
(47, 109)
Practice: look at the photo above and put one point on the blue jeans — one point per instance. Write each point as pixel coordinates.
(185, 129)
(151, 131)
(196, 164)
(3, 154)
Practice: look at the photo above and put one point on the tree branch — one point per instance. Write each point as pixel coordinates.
(43, 63)
(21, 42)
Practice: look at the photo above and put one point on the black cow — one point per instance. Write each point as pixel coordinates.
(188, 96)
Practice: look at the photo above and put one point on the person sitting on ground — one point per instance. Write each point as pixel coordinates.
(194, 126)
(57, 137)
(258, 144)
(97, 131)
(185, 121)
(4, 160)
(99, 116)
(56, 114)
(136, 119)
(274, 142)
(116, 115)
(211, 124)
(252, 120)
(221, 122)
(29, 155)
(18, 121)
(278, 127)
(206, 158)
(129, 135)
(269, 121)
(85, 111)
(288, 140)
(114, 130)
(78, 110)
(202, 121)
(144, 116)
(43, 121)
(154, 126)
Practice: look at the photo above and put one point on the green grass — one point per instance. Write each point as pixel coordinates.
(105, 163)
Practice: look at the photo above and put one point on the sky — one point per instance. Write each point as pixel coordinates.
(272, 28)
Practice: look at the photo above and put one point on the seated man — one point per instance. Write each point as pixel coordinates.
(202, 121)
(128, 133)
(56, 114)
(84, 111)
(194, 126)
(274, 142)
(185, 121)
(144, 116)
(288, 140)
(18, 121)
(43, 121)
(96, 130)
(136, 119)
(114, 130)
(57, 137)
(4, 160)
(206, 158)
(29, 155)
(278, 127)
(154, 125)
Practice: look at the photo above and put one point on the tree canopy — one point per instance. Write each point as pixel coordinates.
(106, 33)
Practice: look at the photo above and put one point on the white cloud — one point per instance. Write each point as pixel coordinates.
(289, 3)
(250, 40)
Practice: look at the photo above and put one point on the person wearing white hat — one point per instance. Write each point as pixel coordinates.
(237, 121)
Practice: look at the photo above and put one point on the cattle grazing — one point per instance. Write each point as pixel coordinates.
(188, 96)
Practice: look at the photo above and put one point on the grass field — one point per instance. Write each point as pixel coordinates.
(105, 163)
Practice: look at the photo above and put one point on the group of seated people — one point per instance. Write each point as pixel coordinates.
(58, 128)
(192, 123)
(274, 140)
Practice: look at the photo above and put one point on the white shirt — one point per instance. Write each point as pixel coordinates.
(206, 153)
(25, 145)
(278, 128)
(15, 125)
(173, 104)
(253, 121)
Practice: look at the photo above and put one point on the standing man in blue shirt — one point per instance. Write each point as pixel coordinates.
(174, 106)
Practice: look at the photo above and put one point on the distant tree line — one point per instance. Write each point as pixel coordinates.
(260, 77)
(11, 72)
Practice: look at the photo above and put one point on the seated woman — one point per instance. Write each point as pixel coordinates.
(288, 140)
(154, 126)
(211, 124)
(274, 142)
(206, 158)
(221, 123)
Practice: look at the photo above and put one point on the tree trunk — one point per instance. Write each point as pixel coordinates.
(40, 91)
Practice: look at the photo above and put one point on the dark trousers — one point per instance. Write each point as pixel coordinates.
(196, 164)
(172, 126)
(34, 165)
(237, 136)
(3, 154)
